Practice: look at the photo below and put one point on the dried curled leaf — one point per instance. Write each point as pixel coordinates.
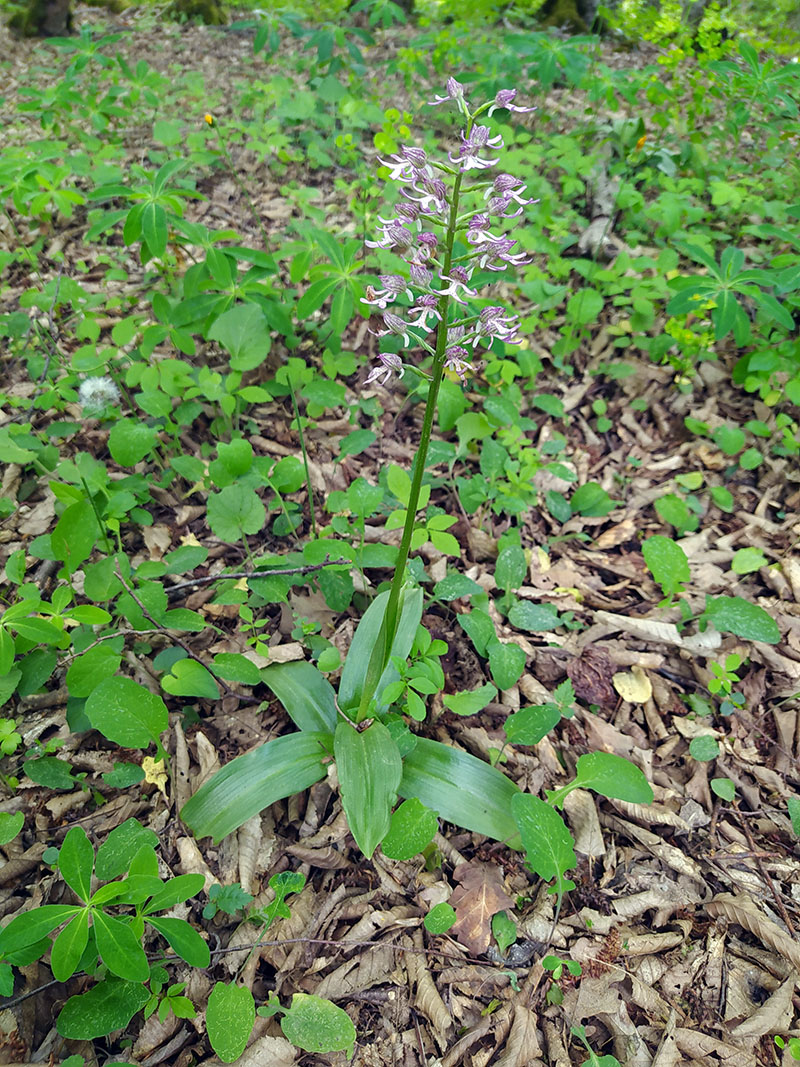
(742, 910)
(633, 685)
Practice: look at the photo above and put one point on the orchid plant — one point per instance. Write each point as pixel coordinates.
(450, 223)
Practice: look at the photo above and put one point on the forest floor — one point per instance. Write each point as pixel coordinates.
(685, 913)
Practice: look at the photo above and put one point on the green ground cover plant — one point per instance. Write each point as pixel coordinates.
(360, 359)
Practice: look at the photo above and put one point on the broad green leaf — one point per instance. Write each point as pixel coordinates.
(584, 307)
(230, 1015)
(454, 586)
(365, 639)
(309, 699)
(154, 228)
(86, 672)
(244, 333)
(175, 891)
(76, 862)
(188, 678)
(704, 748)
(369, 767)
(235, 667)
(747, 560)
(10, 825)
(506, 663)
(592, 501)
(119, 948)
(411, 830)
(116, 853)
(673, 509)
(126, 713)
(479, 628)
(317, 1025)
(69, 946)
(511, 568)
(793, 805)
(610, 776)
(724, 788)
(234, 511)
(529, 725)
(471, 701)
(129, 442)
(440, 918)
(667, 563)
(733, 614)
(535, 618)
(75, 534)
(252, 782)
(461, 789)
(548, 844)
(504, 930)
(183, 939)
(50, 771)
(108, 1006)
(30, 927)
(731, 439)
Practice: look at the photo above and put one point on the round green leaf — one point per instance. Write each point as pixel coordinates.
(724, 788)
(317, 1025)
(243, 331)
(733, 614)
(471, 701)
(126, 713)
(747, 560)
(411, 830)
(526, 615)
(506, 662)
(612, 776)
(235, 511)
(667, 563)
(188, 678)
(704, 748)
(440, 918)
(230, 1016)
(234, 667)
(10, 825)
(130, 441)
(110, 1005)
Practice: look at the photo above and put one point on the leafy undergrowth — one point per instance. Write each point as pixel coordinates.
(606, 550)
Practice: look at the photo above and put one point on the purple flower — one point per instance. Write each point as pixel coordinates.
(496, 254)
(427, 244)
(395, 236)
(433, 198)
(478, 230)
(499, 205)
(457, 283)
(393, 286)
(407, 165)
(509, 188)
(455, 359)
(425, 307)
(455, 91)
(389, 364)
(495, 321)
(505, 98)
(420, 276)
(479, 140)
(394, 324)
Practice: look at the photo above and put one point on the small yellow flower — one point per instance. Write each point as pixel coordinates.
(209, 119)
(640, 143)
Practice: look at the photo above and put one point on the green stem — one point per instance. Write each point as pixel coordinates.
(305, 458)
(383, 646)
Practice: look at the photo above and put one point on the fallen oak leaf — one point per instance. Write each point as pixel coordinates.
(479, 896)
